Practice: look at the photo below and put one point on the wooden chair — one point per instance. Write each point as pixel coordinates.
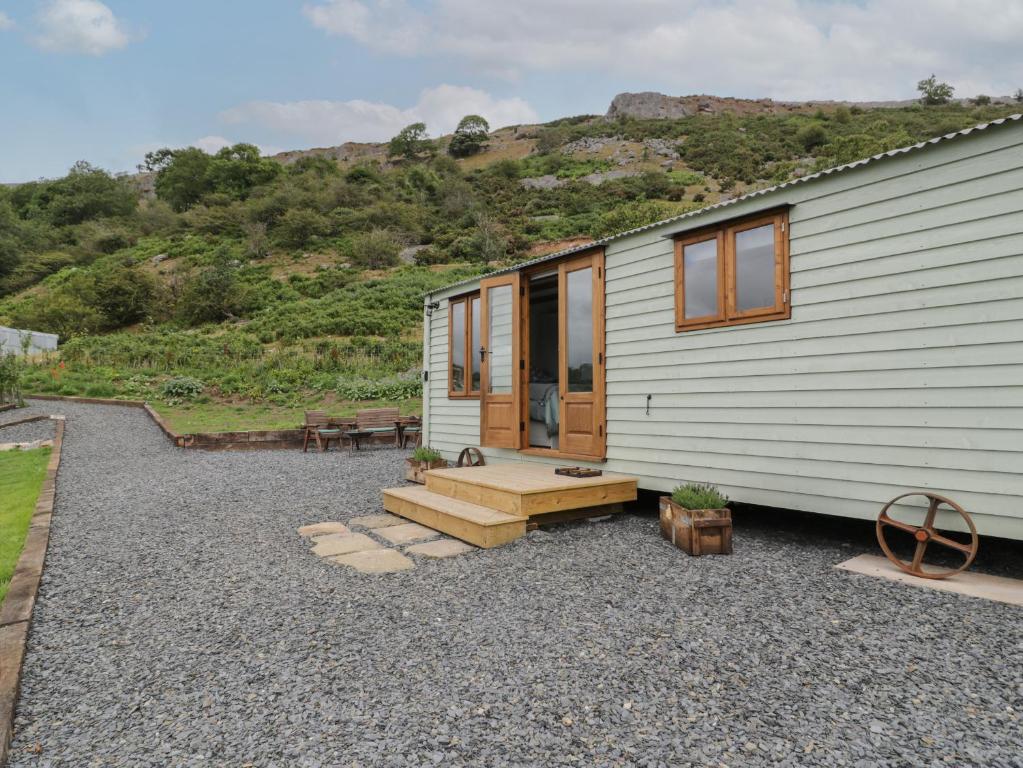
(378, 421)
(411, 430)
(321, 428)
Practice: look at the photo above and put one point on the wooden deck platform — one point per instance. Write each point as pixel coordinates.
(492, 505)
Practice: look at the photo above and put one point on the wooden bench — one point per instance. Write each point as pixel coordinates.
(378, 421)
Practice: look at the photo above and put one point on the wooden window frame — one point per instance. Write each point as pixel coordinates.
(466, 393)
(724, 234)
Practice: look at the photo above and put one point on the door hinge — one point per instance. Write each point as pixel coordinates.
(600, 272)
(600, 358)
(785, 297)
(522, 426)
(600, 430)
(426, 375)
(783, 226)
(522, 365)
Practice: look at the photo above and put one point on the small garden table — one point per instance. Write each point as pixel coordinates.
(354, 437)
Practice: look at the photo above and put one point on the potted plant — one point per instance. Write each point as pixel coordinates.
(695, 519)
(421, 460)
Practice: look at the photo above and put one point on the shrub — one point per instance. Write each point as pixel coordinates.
(812, 136)
(181, 388)
(426, 454)
(697, 496)
(404, 387)
(300, 226)
(376, 249)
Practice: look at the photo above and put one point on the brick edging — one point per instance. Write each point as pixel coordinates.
(16, 611)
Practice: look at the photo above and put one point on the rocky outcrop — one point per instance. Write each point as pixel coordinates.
(651, 106)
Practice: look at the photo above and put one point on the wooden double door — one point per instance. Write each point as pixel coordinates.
(506, 365)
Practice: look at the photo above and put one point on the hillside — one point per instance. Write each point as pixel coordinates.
(212, 282)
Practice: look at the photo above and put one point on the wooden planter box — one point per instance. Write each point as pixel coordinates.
(415, 469)
(697, 531)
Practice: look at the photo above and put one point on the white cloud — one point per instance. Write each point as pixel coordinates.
(80, 26)
(792, 49)
(6, 22)
(328, 123)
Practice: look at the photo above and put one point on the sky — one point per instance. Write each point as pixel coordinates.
(106, 81)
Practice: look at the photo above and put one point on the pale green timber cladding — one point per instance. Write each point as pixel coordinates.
(901, 367)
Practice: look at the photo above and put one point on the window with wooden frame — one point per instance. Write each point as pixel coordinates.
(463, 341)
(734, 273)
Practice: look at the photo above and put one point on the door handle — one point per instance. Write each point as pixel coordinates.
(483, 354)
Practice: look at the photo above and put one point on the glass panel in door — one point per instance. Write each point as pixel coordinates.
(579, 335)
(499, 345)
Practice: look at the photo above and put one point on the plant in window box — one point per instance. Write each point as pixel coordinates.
(695, 519)
(422, 460)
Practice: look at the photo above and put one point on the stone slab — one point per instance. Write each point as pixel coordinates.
(343, 544)
(375, 521)
(322, 529)
(375, 561)
(982, 585)
(406, 533)
(440, 549)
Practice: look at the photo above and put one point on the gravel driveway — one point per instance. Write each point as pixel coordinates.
(182, 621)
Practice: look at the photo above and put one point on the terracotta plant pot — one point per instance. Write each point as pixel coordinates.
(415, 469)
(697, 531)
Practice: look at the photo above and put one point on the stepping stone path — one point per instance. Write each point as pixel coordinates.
(375, 521)
(322, 529)
(335, 543)
(343, 544)
(406, 533)
(440, 549)
(376, 561)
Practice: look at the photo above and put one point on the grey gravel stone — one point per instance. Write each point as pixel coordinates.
(181, 621)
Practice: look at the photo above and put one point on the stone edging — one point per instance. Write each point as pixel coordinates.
(256, 440)
(16, 612)
(8, 407)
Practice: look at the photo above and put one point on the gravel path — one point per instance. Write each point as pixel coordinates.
(182, 621)
(24, 433)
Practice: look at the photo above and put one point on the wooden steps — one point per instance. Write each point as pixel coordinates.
(529, 489)
(469, 522)
(492, 505)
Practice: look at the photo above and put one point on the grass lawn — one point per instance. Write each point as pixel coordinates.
(21, 476)
(189, 417)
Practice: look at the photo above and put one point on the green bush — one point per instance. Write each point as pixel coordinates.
(376, 249)
(182, 388)
(404, 387)
(697, 496)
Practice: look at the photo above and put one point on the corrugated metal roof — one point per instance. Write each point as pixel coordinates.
(748, 196)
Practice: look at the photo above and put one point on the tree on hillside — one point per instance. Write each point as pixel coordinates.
(470, 136)
(980, 100)
(237, 169)
(933, 93)
(185, 176)
(411, 142)
(85, 193)
(1018, 95)
(181, 176)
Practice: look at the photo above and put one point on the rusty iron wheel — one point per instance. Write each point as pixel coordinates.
(925, 535)
(471, 457)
